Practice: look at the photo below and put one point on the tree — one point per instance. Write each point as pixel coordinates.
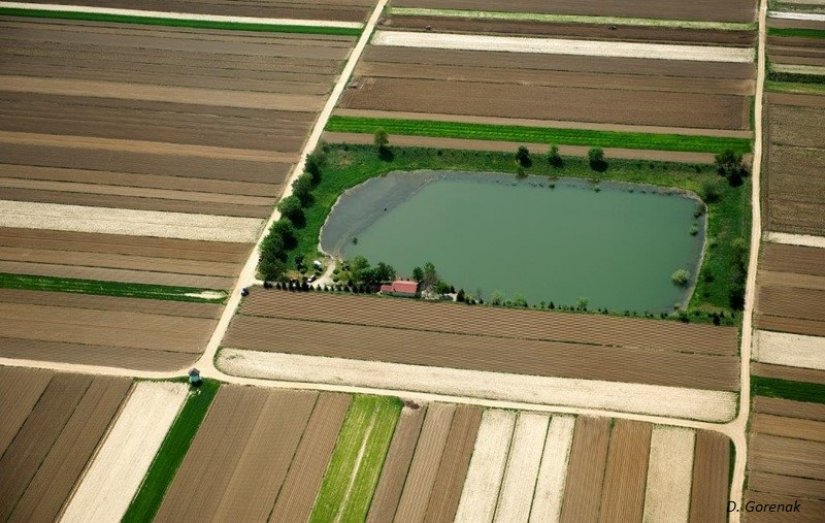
(429, 276)
(302, 188)
(418, 274)
(596, 158)
(272, 269)
(729, 164)
(286, 231)
(523, 157)
(680, 277)
(315, 163)
(358, 267)
(583, 303)
(272, 248)
(460, 296)
(554, 158)
(382, 141)
(384, 272)
(710, 192)
(291, 208)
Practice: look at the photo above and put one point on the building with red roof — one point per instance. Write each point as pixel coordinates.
(404, 288)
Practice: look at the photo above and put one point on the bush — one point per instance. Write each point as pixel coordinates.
(554, 158)
(710, 191)
(302, 188)
(291, 208)
(314, 165)
(729, 164)
(523, 157)
(680, 277)
(286, 231)
(272, 269)
(595, 157)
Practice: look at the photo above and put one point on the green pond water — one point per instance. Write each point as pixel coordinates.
(617, 247)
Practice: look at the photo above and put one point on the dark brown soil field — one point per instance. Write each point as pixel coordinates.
(52, 438)
(594, 105)
(709, 493)
(626, 33)
(788, 373)
(493, 322)
(800, 310)
(809, 512)
(455, 461)
(625, 477)
(100, 330)
(711, 10)
(335, 10)
(788, 408)
(792, 259)
(586, 470)
(396, 465)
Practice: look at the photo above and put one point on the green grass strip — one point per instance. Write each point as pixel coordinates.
(195, 24)
(524, 134)
(147, 501)
(348, 484)
(795, 31)
(796, 78)
(797, 88)
(789, 390)
(570, 19)
(109, 288)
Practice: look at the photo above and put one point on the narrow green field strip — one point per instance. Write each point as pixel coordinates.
(523, 134)
(170, 455)
(173, 22)
(798, 32)
(571, 19)
(356, 463)
(110, 288)
(793, 87)
(789, 390)
(796, 78)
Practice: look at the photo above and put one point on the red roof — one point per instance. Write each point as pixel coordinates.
(404, 286)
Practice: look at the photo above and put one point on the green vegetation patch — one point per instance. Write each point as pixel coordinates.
(525, 134)
(797, 88)
(356, 463)
(110, 288)
(796, 78)
(195, 24)
(728, 207)
(796, 31)
(789, 390)
(147, 501)
(570, 19)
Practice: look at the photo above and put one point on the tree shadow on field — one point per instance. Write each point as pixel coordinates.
(385, 154)
(599, 166)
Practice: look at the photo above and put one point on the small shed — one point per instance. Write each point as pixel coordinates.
(195, 377)
(405, 288)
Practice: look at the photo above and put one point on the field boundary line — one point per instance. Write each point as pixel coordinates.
(561, 46)
(174, 15)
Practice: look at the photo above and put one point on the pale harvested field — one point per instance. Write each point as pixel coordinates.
(49, 452)
(585, 470)
(802, 240)
(709, 10)
(481, 488)
(563, 46)
(394, 472)
(552, 474)
(455, 461)
(20, 389)
(669, 475)
(118, 468)
(625, 476)
(520, 476)
(793, 350)
(297, 495)
(636, 398)
(423, 470)
(335, 10)
(708, 497)
(145, 334)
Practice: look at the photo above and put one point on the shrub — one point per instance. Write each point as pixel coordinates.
(302, 188)
(680, 277)
(286, 231)
(710, 191)
(595, 157)
(554, 158)
(523, 157)
(292, 209)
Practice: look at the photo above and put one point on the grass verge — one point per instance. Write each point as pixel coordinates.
(796, 78)
(110, 288)
(796, 88)
(728, 216)
(570, 19)
(524, 134)
(796, 31)
(789, 390)
(147, 501)
(195, 24)
(356, 463)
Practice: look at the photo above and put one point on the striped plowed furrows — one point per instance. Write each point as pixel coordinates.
(810, 510)
(586, 470)
(455, 461)
(475, 352)
(20, 389)
(49, 451)
(74, 328)
(625, 477)
(306, 472)
(423, 470)
(784, 372)
(786, 457)
(396, 465)
(708, 497)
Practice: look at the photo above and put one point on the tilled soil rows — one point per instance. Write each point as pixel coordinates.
(585, 469)
(20, 389)
(708, 496)
(625, 476)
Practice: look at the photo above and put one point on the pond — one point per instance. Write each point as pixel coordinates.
(534, 238)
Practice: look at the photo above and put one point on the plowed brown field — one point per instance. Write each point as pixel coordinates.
(712, 10)
(394, 472)
(788, 373)
(788, 408)
(52, 428)
(801, 309)
(586, 470)
(793, 258)
(810, 511)
(708, 497)
(625, 477)
(638, 351)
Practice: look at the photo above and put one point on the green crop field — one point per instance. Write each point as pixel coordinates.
(794, 31)
(523, 134)
(356, 463)
(789, 390)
